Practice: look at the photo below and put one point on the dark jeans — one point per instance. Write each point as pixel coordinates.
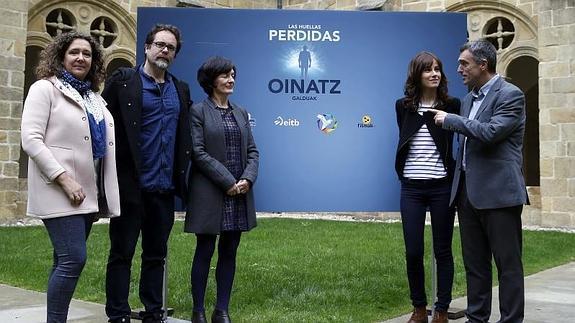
(416, 198)
(68, 235)
(154, 218)
(225, 269)
(487, 234)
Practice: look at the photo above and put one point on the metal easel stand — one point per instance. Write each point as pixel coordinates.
(452, 313)
(167, 311)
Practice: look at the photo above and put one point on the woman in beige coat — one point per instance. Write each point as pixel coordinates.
(68, 134)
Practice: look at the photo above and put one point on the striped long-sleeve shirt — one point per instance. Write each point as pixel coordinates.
(423, 159)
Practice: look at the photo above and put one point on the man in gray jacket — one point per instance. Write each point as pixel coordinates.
(488, 185)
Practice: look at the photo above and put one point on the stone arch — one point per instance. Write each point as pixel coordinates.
(120, 53)
(480, 12)
(86, 11)
(507, 57)
(496, 6)
(38, 39)
(117, 63)
(110, 7)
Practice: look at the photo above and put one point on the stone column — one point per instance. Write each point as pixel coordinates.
(13, 22)
(557, 111)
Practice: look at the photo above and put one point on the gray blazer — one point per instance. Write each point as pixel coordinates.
(494, 158)
(209, 179)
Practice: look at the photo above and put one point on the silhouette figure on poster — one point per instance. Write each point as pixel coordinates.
(304, 61)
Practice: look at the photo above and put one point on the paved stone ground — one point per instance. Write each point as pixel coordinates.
(549, 298)
(23, 306)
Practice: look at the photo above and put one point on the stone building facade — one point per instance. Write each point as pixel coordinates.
(535, 38)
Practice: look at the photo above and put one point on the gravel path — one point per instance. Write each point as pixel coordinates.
(390, 217)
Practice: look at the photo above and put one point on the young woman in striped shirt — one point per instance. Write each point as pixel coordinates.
(424, 165)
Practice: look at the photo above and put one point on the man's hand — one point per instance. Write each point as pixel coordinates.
(439, 116)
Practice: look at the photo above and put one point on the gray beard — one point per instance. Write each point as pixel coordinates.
(161, 64)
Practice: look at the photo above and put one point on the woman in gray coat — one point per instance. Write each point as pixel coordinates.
(220, 202)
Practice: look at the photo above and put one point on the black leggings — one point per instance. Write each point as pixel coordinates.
(225, 269)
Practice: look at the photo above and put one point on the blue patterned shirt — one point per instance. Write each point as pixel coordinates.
(160, 113)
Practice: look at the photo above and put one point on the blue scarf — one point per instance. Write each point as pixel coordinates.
(97, 129)
(80, 86)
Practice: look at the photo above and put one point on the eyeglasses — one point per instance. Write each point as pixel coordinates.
(161, 45)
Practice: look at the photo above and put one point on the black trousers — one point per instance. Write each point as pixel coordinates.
(418, 196)
(487, 234)
(154, 218)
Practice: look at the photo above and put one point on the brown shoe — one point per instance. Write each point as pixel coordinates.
(419, 315)
(440, 317)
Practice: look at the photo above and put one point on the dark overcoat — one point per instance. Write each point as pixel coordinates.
(209, 179)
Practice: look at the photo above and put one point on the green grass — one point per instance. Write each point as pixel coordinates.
(288, 270)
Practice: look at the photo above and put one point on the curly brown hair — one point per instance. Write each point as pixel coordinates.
(52, 58)
(413, 90)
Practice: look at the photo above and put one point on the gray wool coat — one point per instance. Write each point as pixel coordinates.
(494, 156)
(209, 179)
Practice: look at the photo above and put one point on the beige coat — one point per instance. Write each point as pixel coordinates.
(56, 137)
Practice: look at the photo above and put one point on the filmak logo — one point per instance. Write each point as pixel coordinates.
(326, 123)
(366, 122)
(289, 122)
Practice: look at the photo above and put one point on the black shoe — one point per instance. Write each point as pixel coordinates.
(152, 320)
(199, 317)
(156, 317)
(125, 319)
(219, 316)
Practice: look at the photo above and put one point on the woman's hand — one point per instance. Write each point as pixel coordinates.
(243, 185)
(72, 189)
(233, 190)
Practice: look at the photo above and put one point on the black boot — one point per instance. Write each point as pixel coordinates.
(125, 319)
(155, 317)
(219, 316)
(199, 317)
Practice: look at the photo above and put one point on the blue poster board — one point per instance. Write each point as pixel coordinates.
(326, 134)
